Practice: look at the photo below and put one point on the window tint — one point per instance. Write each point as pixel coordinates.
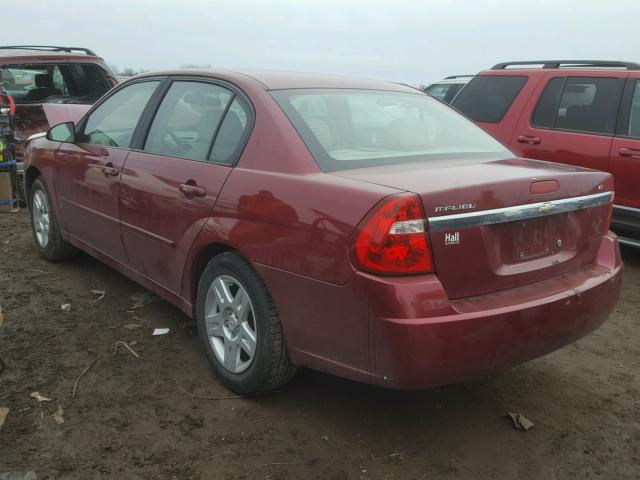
(231, 133)
(486, 98)
(87, 82)
(113, 122)
(187, 120)
(439, 90)
(634, 117)
(589, 104)
(75, 83)
(359, 128)
(444, 92)
(545, 113)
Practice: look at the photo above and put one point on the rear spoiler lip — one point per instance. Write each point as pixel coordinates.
(517, 213)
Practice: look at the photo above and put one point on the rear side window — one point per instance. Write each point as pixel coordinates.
(187, 120)
(545, 113)
(487, 98)
(634, 117)
(231, 134)
(581, 104)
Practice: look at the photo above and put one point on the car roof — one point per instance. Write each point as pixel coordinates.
(534, 72)
(454, 80)
(20, 55)
(286, 80)
(540, 67)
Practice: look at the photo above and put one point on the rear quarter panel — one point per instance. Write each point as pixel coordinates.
(293, 223)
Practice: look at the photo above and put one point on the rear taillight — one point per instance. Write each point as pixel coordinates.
(392, 240)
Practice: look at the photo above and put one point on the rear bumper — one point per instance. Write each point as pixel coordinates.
(419, 339)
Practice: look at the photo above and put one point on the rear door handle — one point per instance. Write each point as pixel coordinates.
(191, 190)
(530, 140)
(629, 152)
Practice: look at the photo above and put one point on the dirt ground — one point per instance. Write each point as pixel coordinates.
(145, 418)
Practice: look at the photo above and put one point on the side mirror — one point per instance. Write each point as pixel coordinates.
(63, 132)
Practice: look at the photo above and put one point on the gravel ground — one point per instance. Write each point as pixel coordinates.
(149, 417)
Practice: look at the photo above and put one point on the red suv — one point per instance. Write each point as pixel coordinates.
(354, 226)
(584, 113)
(41, 78)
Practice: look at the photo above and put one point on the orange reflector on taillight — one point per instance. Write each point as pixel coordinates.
(392, 239)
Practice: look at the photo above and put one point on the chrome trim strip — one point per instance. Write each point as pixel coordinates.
(35, 135)
(630, 242)
(518, 212)
(628, 209)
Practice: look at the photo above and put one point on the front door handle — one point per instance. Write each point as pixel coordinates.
(110, 171)
(192, 190)
(629, 152)
(530, 140)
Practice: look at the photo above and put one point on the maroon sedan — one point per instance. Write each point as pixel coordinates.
(354, 226)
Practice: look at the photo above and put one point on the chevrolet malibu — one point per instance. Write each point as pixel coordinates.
(353, 226)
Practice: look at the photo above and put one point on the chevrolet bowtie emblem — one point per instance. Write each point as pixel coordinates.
(546, 208)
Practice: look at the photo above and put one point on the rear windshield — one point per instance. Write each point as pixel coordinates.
(346, 129)
(487, 98)
(63, 83)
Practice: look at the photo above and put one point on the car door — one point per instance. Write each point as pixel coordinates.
(171, 182)
(88, 171)
(571, 119)
(625, 152)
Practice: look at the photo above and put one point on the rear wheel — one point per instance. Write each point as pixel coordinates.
(240, 328)
(46, 228)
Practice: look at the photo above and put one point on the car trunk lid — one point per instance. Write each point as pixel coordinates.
(502, 224)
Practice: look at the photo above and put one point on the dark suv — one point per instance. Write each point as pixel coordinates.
(584, 113)
(35, 76)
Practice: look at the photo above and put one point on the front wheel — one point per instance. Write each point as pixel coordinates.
(240, 328)
(46, 228)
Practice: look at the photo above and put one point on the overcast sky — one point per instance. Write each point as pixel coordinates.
(408, 41)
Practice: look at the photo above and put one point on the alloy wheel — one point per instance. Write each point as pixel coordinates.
(230, 323)
(41, 219)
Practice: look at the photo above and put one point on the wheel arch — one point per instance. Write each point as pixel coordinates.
(199, 261)
(30, 176)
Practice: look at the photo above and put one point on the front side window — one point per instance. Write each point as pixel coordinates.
(187, 120)
(113, 122)
(487, 98)
(359, 128)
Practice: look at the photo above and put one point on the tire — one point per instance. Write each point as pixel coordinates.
(45, 226)
(231, 322)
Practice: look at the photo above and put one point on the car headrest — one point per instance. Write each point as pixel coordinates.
(43, 80)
